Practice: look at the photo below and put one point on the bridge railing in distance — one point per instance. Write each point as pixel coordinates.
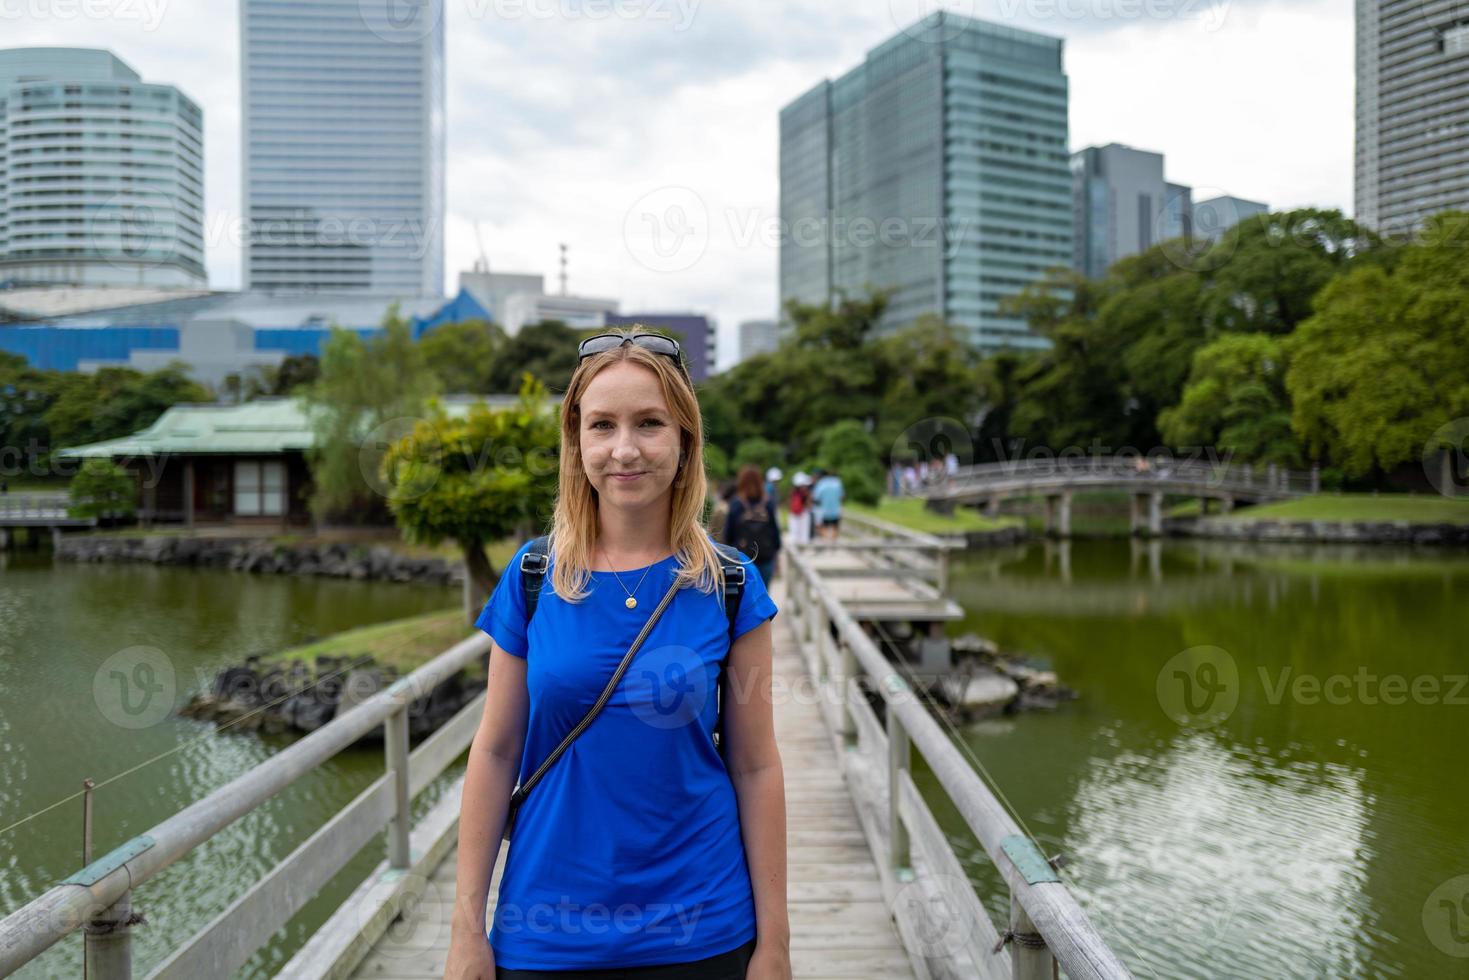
(99, 896)
(923, 555)
(922, 878)
(1218, 475)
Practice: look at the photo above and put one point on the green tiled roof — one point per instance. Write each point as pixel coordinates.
(266, 425)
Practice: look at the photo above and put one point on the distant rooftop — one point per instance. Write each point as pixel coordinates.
(42, 302)
(62, 64)
(265, 426)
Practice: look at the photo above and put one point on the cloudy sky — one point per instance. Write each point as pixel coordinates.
(579, 121)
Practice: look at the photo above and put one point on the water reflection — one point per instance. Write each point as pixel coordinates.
(1296, 833)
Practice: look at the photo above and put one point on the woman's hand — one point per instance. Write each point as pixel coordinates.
(769, 962)
(470, 958)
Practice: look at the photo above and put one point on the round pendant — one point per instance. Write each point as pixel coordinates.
(631, 603)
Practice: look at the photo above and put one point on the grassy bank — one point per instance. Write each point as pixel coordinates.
(1413, 508)
(404, 644)
(909, 512)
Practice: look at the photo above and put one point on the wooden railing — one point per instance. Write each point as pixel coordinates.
(1129, 471)
(99, 896)
(919, 870)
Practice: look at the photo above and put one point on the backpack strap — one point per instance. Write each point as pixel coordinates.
(734, 591)
(533, 566)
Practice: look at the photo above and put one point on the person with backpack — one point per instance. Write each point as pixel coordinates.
(627, 748)
(753, 525)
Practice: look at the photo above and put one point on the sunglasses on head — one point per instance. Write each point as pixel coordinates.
(655, 342)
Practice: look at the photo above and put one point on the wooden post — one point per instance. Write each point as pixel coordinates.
(847, 686)
(1029, 957)
(395, 737)
(189, 492)
(899, 759)
(1063, 527)
(1155, 513)
(1316, 477)
(109, 942)
(1134, 513)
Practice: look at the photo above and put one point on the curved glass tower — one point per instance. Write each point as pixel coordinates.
(101, 174)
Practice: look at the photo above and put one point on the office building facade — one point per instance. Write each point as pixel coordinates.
(101, 174)
(343, 146)
(1216, 215)
(1412, 153)
(1122, 205)
(938, 168)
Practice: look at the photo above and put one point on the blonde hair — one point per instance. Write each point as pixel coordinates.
(573, 530)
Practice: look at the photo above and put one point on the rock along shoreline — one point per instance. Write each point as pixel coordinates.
(273, 698)
(263, 557)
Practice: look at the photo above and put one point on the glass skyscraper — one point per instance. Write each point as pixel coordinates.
(101, 174)
(343, 145)
(1412, 111)
(937, 168)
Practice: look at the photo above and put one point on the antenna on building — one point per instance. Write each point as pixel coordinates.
(563, 268)
(481, 264)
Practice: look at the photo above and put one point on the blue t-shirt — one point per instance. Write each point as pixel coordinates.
(628, 851)
(828, 494)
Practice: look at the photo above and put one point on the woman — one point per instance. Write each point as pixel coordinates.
(639, 853)
(801, 509)
(753, 526)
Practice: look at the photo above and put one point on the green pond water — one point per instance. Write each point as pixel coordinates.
(69, 633)
(1265, 773)
(1305, 819)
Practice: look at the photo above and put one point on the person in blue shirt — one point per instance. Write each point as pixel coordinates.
(827, 495)
(640, 847)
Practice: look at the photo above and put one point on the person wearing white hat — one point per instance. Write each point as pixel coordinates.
(800, 508)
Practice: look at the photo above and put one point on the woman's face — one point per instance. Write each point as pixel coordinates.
(626, 427)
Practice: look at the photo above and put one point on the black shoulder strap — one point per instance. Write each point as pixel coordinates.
(734, 591)
(734, 583)
(533, 572)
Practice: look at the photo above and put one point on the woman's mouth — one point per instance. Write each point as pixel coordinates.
(628, 477)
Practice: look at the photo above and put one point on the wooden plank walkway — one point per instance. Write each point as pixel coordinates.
(840, 925)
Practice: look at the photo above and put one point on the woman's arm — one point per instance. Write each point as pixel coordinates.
(494, 766)
(759, 782)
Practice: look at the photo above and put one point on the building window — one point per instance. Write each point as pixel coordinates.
(1456, 40)
(260, 488)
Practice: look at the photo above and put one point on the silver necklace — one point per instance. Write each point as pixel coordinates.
(631, 601)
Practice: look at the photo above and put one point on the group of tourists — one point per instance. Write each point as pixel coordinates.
(748, 512)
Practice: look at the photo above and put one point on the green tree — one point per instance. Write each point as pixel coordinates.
(370, 392)
(476, 480)
(547, 350)
(849, 450)
(101, 488)
(115, 401)
(1236, 399)
(463, 355)
(1381, 366)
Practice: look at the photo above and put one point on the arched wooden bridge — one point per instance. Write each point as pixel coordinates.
(1148, 481)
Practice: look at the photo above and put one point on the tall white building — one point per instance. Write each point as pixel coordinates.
(101, 174)
(343, 145)
(1412, 155)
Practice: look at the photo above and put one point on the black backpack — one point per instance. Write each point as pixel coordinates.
(533, 565)
(756, 532)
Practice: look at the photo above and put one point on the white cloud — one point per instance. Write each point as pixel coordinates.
(559, 124)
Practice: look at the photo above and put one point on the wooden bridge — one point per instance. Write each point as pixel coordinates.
(1147, 481)
(875, 888)
(38, 510)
